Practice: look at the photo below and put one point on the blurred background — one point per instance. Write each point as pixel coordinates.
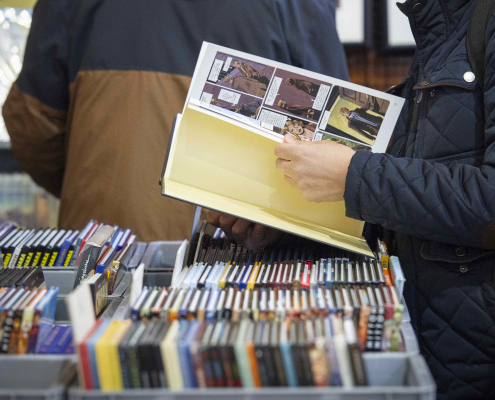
(379, 48)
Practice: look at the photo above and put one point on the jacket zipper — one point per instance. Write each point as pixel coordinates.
(411, 115)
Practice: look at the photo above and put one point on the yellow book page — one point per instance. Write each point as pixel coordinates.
(222, 165)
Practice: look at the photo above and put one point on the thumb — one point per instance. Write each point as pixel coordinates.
(288, 138)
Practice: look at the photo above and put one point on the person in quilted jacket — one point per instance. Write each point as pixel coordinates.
(431, 196)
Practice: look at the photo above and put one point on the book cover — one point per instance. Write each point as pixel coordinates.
(85, 372)
(47, 317)
(64, 249)
(27, 322)
(86, 261)
(202, 164)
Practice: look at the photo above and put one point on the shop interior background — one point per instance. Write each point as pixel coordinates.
(379, 48)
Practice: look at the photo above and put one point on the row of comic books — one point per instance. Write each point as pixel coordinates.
(375, 310)
(30, 277)
(98, 247)
(26, 322)
(179, 355)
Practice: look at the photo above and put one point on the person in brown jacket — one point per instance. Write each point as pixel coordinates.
(90, 115)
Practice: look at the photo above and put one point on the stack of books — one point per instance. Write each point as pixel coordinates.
(55, 248)
(295, 315)
(321, 351)
(26, 322)
(24, 277)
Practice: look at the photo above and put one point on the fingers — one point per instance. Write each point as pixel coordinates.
(290, 181)
(241, 230)
(213, 217)
(226, 222)
(284, 166)
(288, 150)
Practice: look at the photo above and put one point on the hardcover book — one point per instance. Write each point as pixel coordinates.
(239, 107)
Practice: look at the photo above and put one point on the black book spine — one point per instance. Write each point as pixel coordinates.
(124, 368)
(144, 365)
(269, 365)
(46, 256)
(259, 351)
(69, 255)
(229, 378)
(22, 256)
(358, 370)
(157, 355)
(7, 330)
(88, 261)
(133, 363)
(152, 367)
(279, 366)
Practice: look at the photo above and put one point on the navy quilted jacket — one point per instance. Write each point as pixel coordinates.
(434, 196)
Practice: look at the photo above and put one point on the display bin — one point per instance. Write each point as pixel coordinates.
(391, 377)
(64, 277)
(36, 377)
(161, 255)
(137, 256)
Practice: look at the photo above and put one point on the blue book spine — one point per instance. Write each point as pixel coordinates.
(245, 278)
(92, 354)
(290, 371)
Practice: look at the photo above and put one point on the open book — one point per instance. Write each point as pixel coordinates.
(239, 107)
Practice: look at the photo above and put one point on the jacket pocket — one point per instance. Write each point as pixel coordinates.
(467, 267)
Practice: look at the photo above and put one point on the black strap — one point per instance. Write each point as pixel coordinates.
(475, 41)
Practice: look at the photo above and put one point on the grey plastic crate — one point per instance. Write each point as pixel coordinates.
(36, 377)
(161, 254)
(391, 377)
(137, 256)
(62, 280)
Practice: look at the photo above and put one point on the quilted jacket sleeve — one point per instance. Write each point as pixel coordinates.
(425, 199)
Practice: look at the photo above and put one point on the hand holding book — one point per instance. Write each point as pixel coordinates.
(317, 169)
(251, 236)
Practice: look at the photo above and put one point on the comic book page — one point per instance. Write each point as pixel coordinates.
(284, 100)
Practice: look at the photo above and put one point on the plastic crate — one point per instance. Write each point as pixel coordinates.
(391, 377)
(64, 279)
(161, 255)
(137, 256)
(36, 377)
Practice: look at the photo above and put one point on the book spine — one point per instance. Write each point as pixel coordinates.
(87, 264)
(16, 332)
(358, 370)
(7, 330)
(126, 380)
(134, 367)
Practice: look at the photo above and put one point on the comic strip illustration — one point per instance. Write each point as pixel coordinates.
(297, 95)
(226, 99)
(240, 74)
(354, 115)
(337, 139)
(286, 125)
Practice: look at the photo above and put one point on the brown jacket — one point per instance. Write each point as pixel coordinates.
(90, 114)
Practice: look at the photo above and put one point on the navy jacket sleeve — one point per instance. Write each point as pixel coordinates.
(426, 199)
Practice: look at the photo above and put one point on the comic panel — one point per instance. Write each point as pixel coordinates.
(226, 99)
(287, 125)
(340, 140)
(354, 115)
(240, 74)
(297, 95)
